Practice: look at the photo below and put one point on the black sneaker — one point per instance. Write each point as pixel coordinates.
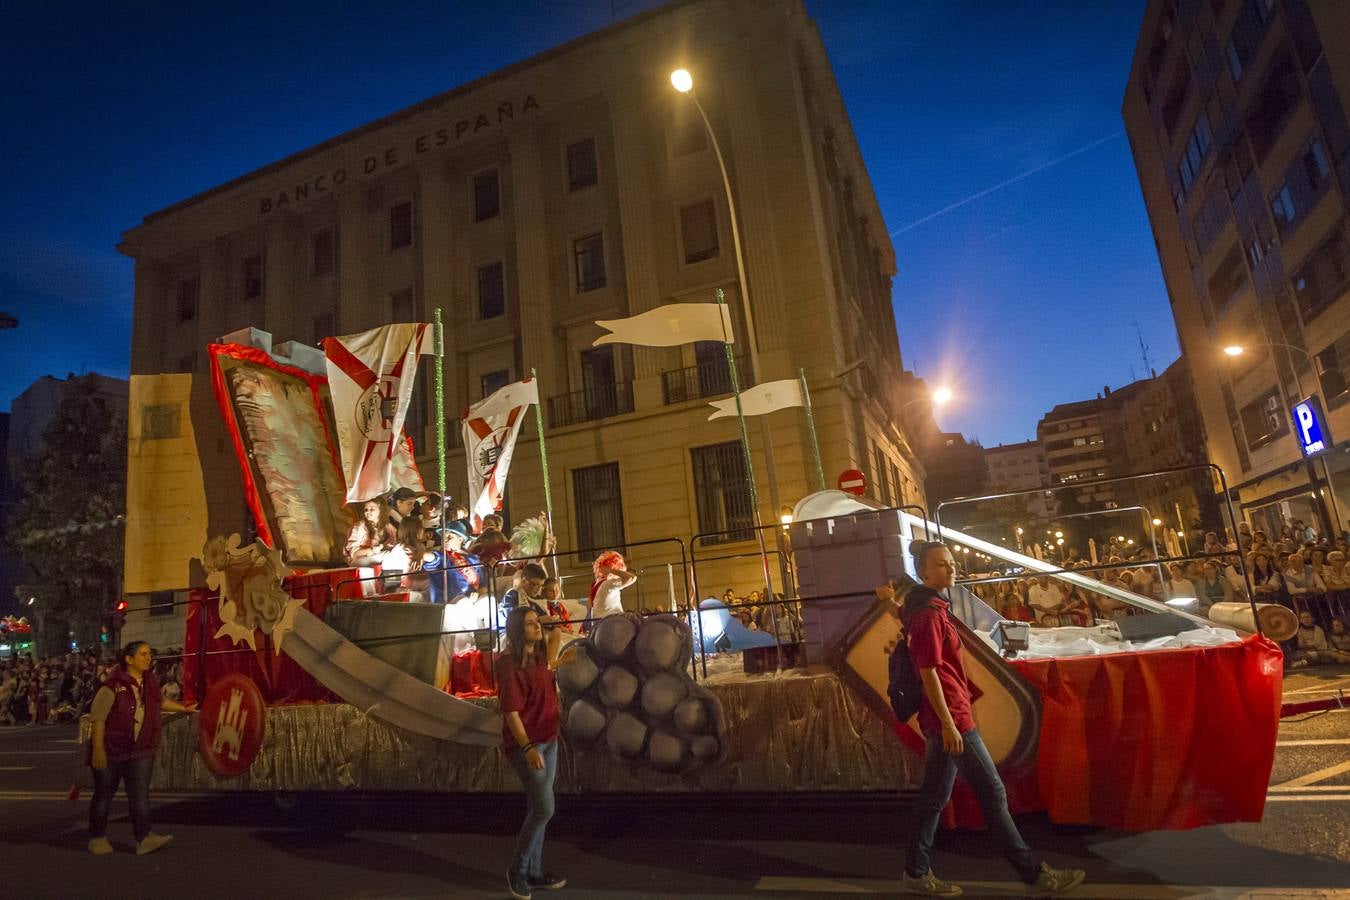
(519, 886)
(547, 882)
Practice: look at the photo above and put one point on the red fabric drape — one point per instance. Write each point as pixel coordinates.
(1164, 739)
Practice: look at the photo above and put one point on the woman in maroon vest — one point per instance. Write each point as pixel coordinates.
(125, 716)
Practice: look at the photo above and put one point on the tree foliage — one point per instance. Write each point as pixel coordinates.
(68, 523)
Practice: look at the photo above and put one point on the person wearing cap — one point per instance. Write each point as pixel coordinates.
(463, 573)
(402, 502)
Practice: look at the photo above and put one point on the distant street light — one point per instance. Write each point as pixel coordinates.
(1157, 522)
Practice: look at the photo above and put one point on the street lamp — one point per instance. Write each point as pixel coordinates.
(1157, 522)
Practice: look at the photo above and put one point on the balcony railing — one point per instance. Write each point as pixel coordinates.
(587, 406)
(704, 380)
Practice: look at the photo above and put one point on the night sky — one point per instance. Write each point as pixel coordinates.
(1020, 299)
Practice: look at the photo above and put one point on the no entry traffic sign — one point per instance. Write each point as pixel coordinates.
(853, 482)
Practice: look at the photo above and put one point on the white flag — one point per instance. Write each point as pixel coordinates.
(670, 326)
(370, 377)
(761, 399)
(490, 429)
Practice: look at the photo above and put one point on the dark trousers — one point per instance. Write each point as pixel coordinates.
(528, 858)
(136, 774)
(939, 774)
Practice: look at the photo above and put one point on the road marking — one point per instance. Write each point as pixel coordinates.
(1322, 743)
(1307, 798)
(1017, 889)
(1311, 777)
(1308, 787)
(65, 741)
(16, 768)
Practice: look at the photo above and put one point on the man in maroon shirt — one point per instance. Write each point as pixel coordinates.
(953, 742)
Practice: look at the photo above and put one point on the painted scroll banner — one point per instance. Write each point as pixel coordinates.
(166, 498)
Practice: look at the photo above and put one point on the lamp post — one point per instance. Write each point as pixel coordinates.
(1236, 350)
(683, 81)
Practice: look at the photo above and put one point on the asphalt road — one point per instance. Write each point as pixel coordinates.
(435, 846)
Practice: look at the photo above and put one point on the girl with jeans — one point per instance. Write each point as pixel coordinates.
(953, 741)
(528, 700)
(125, 716)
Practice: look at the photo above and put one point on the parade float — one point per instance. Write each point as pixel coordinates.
(317, 676)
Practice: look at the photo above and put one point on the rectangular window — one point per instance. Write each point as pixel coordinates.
(1234, 60)
(1333, 366)
(493, 382)
(1314, 161)
(400, 226)
(324, 253)
(402, 307)
(698, 230)
(1228, 280)
(253, 277)
(491, 291)
(1278, 99)
(323, 326)
(1263, 420)
(722, 492)
(1323, 277)
(589, 256)
(1282, 207)
(599, 509)
(1197, 147)
(487, 196)
(582, 168)
(188, 291)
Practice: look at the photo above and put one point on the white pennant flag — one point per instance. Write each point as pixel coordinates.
(370, 378)
(670, 326)
(761, 399)
(490, 429)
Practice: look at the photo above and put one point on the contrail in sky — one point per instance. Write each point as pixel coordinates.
(1002, 184)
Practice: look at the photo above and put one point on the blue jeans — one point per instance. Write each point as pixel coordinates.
(528, 859)
(136, 773)
(939, 774)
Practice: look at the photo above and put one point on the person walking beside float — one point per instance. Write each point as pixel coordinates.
(953, 743)
(126, 725)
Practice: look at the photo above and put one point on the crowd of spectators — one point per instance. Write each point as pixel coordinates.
(59, 689)
(1297, 568)
(756, 615)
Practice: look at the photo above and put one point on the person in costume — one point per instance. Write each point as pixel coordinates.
(463, 572)
(372, 536)
(611, 577)
(528, 699)
(953, 743)
(125, 716)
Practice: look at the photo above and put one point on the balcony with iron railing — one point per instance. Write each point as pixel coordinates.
(590, 405)
(711, 379)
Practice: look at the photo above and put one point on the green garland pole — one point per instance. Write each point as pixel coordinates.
(750, 477)
(438, 352)
(811, 426)
(543, 458)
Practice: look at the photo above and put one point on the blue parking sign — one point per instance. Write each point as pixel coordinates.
(1310, 426)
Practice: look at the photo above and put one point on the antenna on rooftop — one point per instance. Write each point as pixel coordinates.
(1143, 351)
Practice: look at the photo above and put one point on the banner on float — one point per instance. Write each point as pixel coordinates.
(370, 378)
(761, 399)
(670, 326)
(490, 429)
(166, 495)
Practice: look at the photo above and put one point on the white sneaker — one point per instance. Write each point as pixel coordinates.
(100, 846)
(152, 842)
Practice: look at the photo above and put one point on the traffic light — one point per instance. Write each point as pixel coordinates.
(119, 616)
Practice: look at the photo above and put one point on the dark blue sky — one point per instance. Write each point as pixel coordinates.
(1021, 299)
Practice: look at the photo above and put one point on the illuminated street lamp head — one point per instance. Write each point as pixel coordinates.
(1157, 521)
(682, 81)
(941, 396)
(1233, 349)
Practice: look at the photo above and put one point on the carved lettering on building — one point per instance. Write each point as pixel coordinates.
(392, 157)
